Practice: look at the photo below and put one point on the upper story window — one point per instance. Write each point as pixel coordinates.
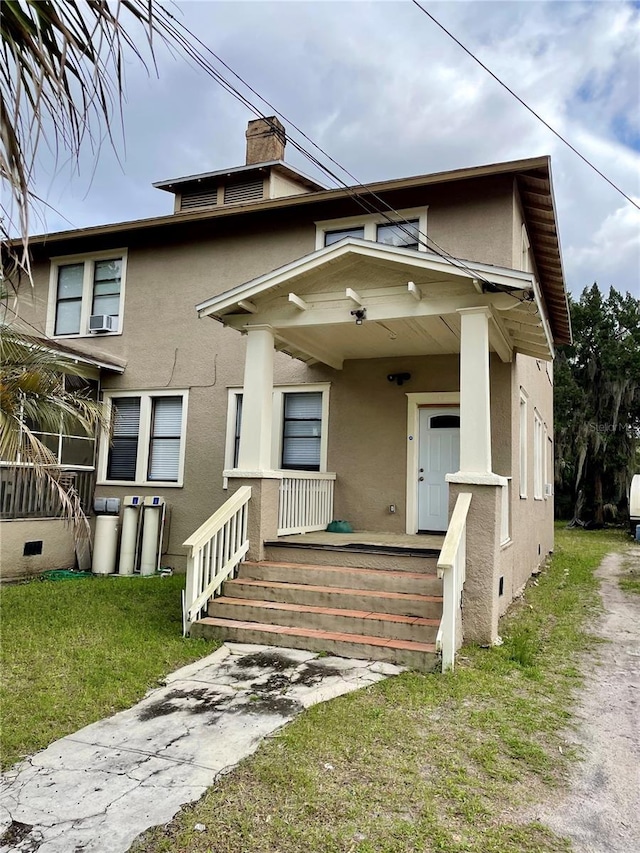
(147, 441)
(408, 233)
(86, 295)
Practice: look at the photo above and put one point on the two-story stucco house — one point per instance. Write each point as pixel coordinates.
(276, 355)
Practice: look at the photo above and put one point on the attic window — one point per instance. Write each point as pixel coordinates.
(195, 199)
(248, 191)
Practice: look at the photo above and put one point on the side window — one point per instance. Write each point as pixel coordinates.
(523, 445)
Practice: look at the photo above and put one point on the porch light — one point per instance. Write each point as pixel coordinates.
(360, 314)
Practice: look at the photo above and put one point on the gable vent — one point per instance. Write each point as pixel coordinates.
(249, 191)
(199, 198)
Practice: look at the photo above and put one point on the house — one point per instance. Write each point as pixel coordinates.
(277, 355)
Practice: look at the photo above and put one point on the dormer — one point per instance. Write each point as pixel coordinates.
(265, 175)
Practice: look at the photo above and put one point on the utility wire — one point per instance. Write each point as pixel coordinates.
(178, 28)
(524, 104)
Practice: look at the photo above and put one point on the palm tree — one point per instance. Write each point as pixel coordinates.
(61, 84)
(35, 400)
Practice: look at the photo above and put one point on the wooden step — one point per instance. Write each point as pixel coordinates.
(417, 655)
(400, 603)
(387, 625)
(317, 555)
(382, 580)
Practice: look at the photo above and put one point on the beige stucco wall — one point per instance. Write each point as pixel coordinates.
(58, 550)
(166, 346)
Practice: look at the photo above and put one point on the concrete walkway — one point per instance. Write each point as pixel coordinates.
(96, 790)
(601, 811)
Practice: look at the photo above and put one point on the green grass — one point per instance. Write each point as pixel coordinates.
(630, 580)
(75, 651)
(430, 763)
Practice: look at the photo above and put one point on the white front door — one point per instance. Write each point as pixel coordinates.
(439, 455)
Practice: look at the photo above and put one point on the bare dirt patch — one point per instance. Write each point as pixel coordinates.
(601, 810)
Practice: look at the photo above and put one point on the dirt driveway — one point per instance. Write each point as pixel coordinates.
(601, 811)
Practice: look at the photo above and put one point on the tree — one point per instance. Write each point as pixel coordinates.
(34, 399)
(61, 84)
(597, 405)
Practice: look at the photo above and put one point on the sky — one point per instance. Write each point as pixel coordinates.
(387, 94)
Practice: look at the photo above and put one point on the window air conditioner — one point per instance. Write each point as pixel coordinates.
(548, 489)
(102, 323)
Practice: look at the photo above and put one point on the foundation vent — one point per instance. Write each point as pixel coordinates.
(199, 198)
(248, 191)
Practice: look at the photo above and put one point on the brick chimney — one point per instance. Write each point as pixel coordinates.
(266, 139)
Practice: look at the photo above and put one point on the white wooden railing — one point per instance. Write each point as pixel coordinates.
(305, 501)
(452, 570)
(216, 550)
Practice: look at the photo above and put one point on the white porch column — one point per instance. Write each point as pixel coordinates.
(475, 414)
(257, 401)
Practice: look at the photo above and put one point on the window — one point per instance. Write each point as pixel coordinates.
(70, 444)
(406, 235)
(538, 456)
(147, 438)
(523, 444)
(331, 237)
(86, 287)
(299, 429)
(377, 228)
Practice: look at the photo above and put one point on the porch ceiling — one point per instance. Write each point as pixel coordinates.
(411, 299)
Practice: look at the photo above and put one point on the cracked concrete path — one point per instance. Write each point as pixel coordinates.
(95, 791)
(601, 811)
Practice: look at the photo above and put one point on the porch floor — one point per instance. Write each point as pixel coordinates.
(404, 543)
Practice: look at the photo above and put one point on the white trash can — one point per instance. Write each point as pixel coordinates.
(105, 545)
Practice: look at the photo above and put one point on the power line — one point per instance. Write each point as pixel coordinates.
(524, 104)
(176, 26)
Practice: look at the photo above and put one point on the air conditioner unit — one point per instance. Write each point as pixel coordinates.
(103, 323)
(548, 489)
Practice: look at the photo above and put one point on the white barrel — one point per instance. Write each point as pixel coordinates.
(150, 531)
(130, 518)
(105, 545)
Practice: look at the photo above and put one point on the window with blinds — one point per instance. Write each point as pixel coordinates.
(302, 431)
(147, 441)
(164, 444)
(123, 454)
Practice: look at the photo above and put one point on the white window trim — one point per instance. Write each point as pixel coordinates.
(88, 260)
(276, 433)
(523, 441)
(370, 223)
(538, 456)
(144, 439)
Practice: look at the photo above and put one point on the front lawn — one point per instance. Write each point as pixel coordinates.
(77, 650)
(422, 762)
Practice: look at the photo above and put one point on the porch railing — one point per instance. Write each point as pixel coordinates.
(216, 550)
(23, 494)
(452, 570)
(305, 501)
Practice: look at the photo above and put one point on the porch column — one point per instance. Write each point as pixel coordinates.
(257, 401)
(475, 415)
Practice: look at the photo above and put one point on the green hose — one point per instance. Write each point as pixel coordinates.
(64, 575)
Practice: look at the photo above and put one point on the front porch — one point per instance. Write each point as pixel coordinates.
(417, 319)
